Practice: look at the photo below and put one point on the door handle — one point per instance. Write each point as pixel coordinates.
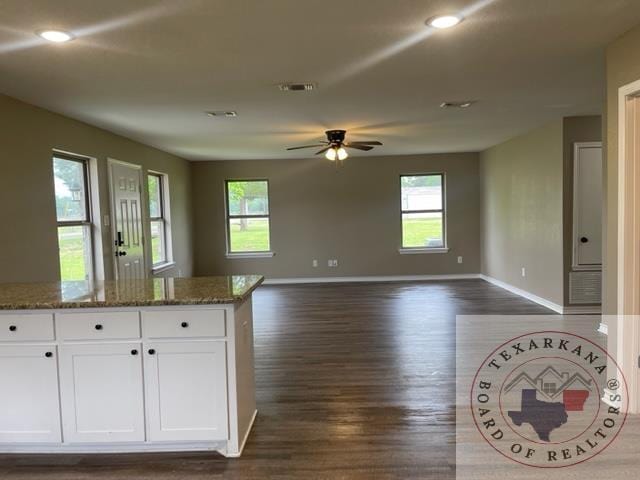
(584, 239)
(121, 254)
(119, 241)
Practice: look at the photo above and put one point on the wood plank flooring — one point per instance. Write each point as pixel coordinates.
(354, 381)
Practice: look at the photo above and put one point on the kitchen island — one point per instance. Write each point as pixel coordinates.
(162, 364)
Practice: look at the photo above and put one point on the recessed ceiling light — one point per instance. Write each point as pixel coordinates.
(444, 21)
(56, 36)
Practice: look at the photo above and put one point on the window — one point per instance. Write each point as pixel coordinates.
(73, 211)
(549, 388)
(247, 216)
(159, 219)
(423, 215)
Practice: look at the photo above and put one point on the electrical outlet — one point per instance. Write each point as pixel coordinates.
(314, 263)
(459, 259)
(332, 263)
(524, 272)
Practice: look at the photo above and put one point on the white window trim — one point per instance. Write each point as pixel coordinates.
(422, 250)
(93, 211)
(169, 262)
(445, 238)
(238, 255)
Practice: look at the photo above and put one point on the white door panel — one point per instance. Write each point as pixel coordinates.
(186, 391)
(102, 392)
(588, 205)
(29, 407)
(126, 185)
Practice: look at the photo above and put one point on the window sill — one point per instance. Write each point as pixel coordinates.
(419, 251)
(162, 267)
(251, 255)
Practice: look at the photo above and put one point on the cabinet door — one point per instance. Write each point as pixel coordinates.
(102, 393)
(186, 391)
(29, 406)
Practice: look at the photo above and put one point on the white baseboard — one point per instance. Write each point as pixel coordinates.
(372, 278)
(562, 310)
(523, 293)
(246, 437)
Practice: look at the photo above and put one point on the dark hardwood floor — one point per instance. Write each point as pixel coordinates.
(354, 381)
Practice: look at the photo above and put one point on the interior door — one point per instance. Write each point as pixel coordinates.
(186, 391)
(29, 408)
(587, 209)
(102, 393)
(126, 212)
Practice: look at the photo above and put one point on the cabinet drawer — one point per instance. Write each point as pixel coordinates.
(26, 327)
(184, 323)
(97, 326)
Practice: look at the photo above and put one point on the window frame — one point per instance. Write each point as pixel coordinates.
(165, 217)
(443, 211)
(87, 222)
(229, 217)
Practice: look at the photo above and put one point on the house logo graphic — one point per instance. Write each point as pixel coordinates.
(539, 399)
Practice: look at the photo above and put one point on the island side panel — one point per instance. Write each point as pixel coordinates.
(244, 376)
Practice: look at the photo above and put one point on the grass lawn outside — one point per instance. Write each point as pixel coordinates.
(71, 244)
(417, 232)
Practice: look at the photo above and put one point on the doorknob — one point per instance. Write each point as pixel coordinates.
(121, 254)
(584, 239)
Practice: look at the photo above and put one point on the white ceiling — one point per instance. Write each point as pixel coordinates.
(149, 69)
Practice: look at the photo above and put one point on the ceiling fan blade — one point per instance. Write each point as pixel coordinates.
(366, 148)
(374, 142)
(323, 150)
(307, 146)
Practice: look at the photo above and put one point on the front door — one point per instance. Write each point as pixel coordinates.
(126, 199)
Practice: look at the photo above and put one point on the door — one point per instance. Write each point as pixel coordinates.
(587, 208)
(186, 391)
(29, 407)
(126, 212)
(102, 393)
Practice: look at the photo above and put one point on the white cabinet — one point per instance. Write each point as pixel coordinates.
(29, 408)
(102, 392)
(186, 390)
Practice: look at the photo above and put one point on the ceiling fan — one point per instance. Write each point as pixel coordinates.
(335, 146)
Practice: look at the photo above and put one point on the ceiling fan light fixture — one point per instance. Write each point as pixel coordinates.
(331, 154)
(342, 153)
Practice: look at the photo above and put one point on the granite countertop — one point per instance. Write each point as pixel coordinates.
(128, 293)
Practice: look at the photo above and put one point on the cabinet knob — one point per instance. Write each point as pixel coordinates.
(134, 352)
(12, 328)
(98, 327)
(48, 354)
(152, 351)
(184, 324)
(584, 239)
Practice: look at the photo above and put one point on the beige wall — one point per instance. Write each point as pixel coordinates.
(521, 210)
(28, 135)
(623, 67)
(350, 213)
(575, 129)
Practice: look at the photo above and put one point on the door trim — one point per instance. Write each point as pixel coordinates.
(112, 208)
(628, 241)
(575, 266)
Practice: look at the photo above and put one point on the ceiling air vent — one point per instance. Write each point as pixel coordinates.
(222, 113)
(297, 87)
(463, 104)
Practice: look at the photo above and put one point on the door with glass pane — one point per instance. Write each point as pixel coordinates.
(73, 212)
(126, 212)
